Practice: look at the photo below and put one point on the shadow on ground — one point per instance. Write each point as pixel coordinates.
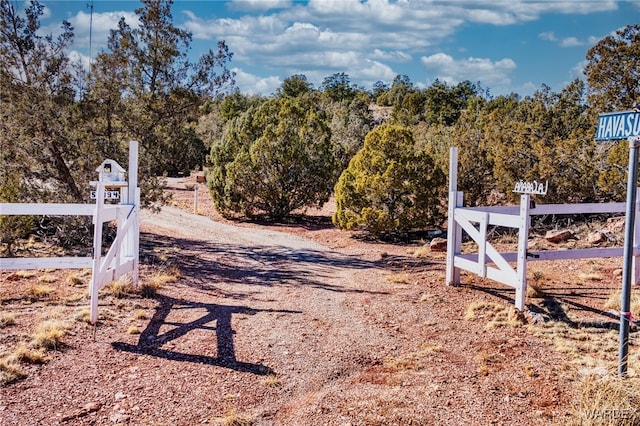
(206, 264)
(216, 319)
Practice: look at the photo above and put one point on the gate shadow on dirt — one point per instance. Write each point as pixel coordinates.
(207, 263)
(152, 339)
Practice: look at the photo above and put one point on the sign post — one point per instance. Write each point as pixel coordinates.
(625, 125)
(625, 296)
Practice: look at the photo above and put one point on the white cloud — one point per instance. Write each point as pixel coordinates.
(302, 29)
(46, 12)
(452, 71)
(251, 84)
(571, 42)
(527, 89)
(566, 41)
(78, 58)
(516, 11)
(258, 5)
(548, 36)
(247, 27)
(326, 33)
(393, 56)
(592, 40)
(100, 27)
(578, 70)
(336, 7)
(365, 38)
(372, 71)
(329, 33)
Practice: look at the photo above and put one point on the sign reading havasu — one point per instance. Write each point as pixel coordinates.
(618, 125)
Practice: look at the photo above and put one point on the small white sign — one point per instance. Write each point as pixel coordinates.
(108, 195)
(534, 187)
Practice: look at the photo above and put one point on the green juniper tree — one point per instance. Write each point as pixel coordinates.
(275, 158)
(389, 186)
(146, 88)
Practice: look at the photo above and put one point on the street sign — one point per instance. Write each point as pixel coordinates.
(618, 125)
(612, 126)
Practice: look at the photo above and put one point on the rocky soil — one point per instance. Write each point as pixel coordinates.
(302, 324)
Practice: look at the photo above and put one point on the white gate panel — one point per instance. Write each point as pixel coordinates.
(490, 263)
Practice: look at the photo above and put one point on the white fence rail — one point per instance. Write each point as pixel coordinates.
(123, 255)
(488, 262)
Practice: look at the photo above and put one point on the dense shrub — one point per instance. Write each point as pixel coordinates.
(389, 186)
(274, 159)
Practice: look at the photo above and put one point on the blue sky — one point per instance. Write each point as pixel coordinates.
(506, 45)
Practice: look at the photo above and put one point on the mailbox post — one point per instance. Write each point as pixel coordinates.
(112, 177)
(122, 257)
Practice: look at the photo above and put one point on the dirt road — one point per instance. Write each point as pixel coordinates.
(271, 328)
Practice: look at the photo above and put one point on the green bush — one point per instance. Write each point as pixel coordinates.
(274, 159)
(389, 186)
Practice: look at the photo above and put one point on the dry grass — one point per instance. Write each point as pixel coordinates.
(537, 276)
(496, 314)
(535, 285)
(158, 279)
(614, 302)
(36, 292)
(602, 398)
(272, 381)
(83, 315)
(134, 329)
(432, 299)
(10, 370)
(120, 289)
(608, 400)
(592, 276)
(404, 363)
(7, 319)
(140, 315)
(431, 349)
(233, 418)
(49, 335)
(26, 273)
(28, 355)
(488, 362)
(534, 290)
(422, 252)
(415, 360)
(76, 279)
(47, 278)
(530, 371)
(588, 348)
(75, 297)
(399, 278)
